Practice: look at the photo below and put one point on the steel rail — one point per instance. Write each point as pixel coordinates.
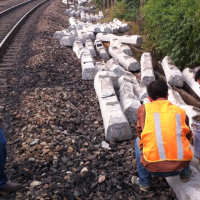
(17, 26)
(13, 8)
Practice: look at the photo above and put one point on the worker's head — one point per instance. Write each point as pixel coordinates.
(197, 76)
(157, 89)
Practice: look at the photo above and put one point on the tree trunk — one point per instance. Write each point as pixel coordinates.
(108, 4)
(104, 3)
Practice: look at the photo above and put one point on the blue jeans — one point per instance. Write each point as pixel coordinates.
(3, 177)
(145, 175)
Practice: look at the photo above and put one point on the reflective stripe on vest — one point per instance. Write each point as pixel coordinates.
(159, 139)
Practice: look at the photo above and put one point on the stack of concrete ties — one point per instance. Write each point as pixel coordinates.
(172, 73)
(129, 102)
(147, 73)
(116, 125)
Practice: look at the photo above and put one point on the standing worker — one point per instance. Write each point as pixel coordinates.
(5, 185)
(162, 147)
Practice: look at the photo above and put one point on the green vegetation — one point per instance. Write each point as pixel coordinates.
(173, 27)
(127, 10)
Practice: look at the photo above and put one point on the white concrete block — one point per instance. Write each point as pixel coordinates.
(103, 54)
(172, 73)
(103, 85)
(77, 14)
(88, 19)
(105, 29)
(114, 78)
(83, 36)
(114, 29)
(114, 42)
(89, 45)
(101, 14)
(98, 45)
(74, 33)
(191, 111)
(126, 39)
(91, 35)
(186, 190)
(128, 77)
(72, 13)
(100, 66)
(67, 11)
(114, 66)
(71, 28)
(83, 51)
(67, 40)
(77, 46)
(129, 63)
(93, 18)
(140, 91)
(133, 39)
(147, 73)
(83, 17)
(88, 69)
(72, 21)
(106, 37)
(129, 102)
(96, 28)
(60, 34)
(174, 97)
(188, 77)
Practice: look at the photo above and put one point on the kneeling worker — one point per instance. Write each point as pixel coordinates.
(162, 147)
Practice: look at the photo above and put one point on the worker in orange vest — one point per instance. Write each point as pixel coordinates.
(162, 147)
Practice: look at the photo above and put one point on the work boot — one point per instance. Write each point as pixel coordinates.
(185, 176)
(144, 188)
(11, 187)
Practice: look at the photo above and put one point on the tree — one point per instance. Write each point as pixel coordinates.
(173, 28)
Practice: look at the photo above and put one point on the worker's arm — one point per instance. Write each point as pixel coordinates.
(189, 136)
(141, 114)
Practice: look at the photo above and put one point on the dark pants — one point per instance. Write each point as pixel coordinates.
(3, 177)
(145, 175)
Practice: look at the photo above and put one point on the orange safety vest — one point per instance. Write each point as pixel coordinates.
(164, 133)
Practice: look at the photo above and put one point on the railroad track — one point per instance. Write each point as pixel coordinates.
(12, 31)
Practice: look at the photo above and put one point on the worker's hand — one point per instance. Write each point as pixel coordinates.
(191, 141)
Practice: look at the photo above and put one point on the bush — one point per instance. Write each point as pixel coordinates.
(126, 9)
(174, 29)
